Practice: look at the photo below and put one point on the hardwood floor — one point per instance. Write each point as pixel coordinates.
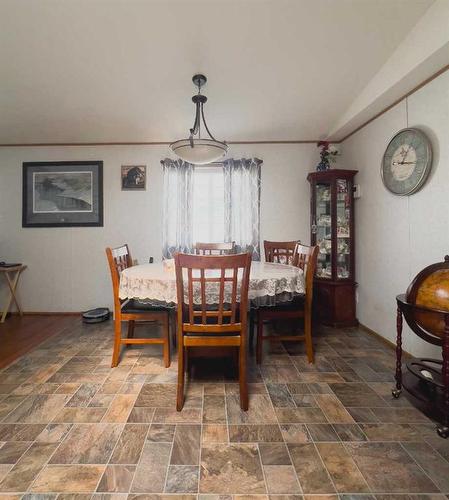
(20, 334)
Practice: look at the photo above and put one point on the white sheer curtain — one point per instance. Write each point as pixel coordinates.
(208, 204)
(177, 226)
(242, 204)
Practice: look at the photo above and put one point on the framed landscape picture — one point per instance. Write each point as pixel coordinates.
(62, 194)
(134, 177)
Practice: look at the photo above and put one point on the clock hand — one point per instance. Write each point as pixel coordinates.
(404, 162)
(405, 156)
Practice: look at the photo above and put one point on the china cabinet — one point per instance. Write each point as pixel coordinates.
(332, 229)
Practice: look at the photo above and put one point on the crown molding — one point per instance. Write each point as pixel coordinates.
(396, 102)
(138, 143)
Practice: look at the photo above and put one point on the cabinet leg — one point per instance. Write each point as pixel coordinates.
(396, 392)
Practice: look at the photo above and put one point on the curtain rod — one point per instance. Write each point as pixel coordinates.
(212, 163)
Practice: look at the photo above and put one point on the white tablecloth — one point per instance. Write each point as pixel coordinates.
(269, 284)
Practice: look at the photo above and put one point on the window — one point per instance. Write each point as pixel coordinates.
(211, 204)
(208, 204)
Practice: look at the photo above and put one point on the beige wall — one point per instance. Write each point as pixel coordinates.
(398, 236)
(67, 266)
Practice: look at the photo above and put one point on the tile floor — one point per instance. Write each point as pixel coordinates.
(72, 428)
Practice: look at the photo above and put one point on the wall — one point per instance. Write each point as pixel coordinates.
(67, 268)
(398, 236)
(422, 53)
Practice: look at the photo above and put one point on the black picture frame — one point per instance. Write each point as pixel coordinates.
(62, 194)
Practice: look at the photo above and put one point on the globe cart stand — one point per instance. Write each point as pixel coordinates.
(426, 380)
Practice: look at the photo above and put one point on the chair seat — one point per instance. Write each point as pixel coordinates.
(136, 307)
(212, 334)
(296, 304)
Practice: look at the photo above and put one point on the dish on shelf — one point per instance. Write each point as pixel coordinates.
(325, 246)
(324, 195)
(343, 231)
(342, 186)
(342, 272)
(325, 272)
(324, 220)
(342, 247)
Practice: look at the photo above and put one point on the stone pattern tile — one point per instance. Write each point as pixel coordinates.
(72, 428)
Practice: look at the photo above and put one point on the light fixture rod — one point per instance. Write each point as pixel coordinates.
(194, 149)
(205, 124)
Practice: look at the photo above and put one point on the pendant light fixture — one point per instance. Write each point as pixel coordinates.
(195, 149)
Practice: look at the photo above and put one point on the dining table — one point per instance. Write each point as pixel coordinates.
(155, 284)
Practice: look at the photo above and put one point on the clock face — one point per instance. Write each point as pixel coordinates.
(406, 162)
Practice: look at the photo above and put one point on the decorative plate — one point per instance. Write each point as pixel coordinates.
(406, 162)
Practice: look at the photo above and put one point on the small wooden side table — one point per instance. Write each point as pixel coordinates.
(11, 275)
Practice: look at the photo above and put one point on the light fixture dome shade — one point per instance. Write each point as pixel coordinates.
(204, 150)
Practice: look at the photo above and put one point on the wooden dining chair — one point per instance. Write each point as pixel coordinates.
(301, 307)
(222, 324)
(215, 248)
(280, 252)
(132, 311)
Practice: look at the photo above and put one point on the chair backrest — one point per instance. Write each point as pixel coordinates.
(280, 252)
(306, 258)
(215, 248)
(226, 279)
(118, 258)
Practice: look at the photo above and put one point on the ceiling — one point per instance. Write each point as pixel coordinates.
(120, 70)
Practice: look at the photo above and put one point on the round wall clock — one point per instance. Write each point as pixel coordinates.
(406, 162)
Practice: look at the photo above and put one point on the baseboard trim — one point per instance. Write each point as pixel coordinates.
(47, 313)
(389, 343)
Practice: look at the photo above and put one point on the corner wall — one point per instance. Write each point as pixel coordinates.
(398, 236)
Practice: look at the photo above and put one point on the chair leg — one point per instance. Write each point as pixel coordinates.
(166, 333)
(172, 319)
(131, 325)
(187, 360)
(236, 358)
(251, 329)
(242, 378)
(259, 342)
(117, 342)
(308, 335)
(181, 375)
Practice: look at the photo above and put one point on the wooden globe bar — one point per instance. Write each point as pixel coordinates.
(425, 307)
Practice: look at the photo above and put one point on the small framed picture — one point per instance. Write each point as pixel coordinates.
(134, 177)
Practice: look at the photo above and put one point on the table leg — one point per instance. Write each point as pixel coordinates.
(12, 285)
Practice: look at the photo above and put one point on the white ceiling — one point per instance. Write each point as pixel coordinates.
(120, 70)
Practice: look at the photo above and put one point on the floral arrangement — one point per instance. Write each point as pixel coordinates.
(328, 155)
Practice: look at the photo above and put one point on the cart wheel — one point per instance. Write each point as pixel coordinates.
(396, 393)
(443, 431)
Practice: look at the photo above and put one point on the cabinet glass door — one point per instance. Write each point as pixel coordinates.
(344, 270)
(323, 230)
